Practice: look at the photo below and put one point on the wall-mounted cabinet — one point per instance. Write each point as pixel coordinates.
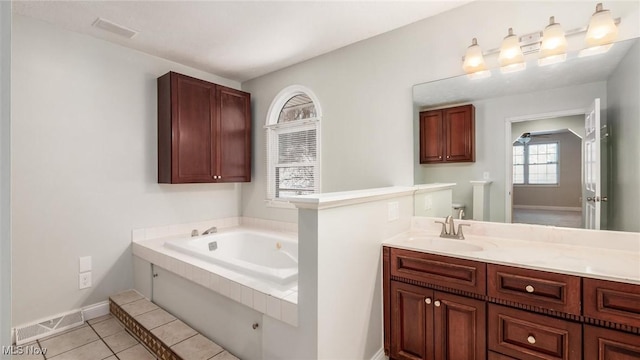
(204, 132)
(448, 135)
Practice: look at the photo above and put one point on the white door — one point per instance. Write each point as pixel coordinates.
(591, 186)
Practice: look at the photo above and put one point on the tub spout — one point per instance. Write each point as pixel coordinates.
(210, 230)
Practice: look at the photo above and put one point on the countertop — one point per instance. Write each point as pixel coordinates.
(606, 255)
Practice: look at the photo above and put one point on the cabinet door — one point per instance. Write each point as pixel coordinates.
(431, 133)
(460, 327)
(605, 344)
(411, 322)
(459, 127)
(612, 301)
(193, 110)
(233, 134)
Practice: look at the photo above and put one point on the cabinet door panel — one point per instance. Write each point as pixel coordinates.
(605, 344)
(460, 327)
(412, 322)
(431, 133)
(460, 133)
(233, 128)
(611, 301)
(193, 102)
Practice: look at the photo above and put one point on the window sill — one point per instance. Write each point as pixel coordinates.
(280, 204)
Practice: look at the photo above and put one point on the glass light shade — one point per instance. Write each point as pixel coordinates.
(473, 59)
(595, 50)
(554, 43)
(602, 29)
(511, 56)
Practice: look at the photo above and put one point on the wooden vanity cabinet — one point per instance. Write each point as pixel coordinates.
(430, 324)
(204, 131)
(447, 135)
(606, 344)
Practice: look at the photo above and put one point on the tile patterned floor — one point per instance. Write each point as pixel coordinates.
(105, 338)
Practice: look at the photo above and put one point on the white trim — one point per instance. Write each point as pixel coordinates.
(508, 198)
(278, 203)
(379, 355)
(331, 200)
(544, 207)
(96, 310)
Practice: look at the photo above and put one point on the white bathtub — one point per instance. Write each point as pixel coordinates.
(262, 255)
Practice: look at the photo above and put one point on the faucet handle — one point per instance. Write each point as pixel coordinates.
(444, 227)
(460, 234)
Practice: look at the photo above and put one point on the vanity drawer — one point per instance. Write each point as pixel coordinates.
(542, 289)
(612, 301)
(605, 344)
(527, 336)
(459, 274)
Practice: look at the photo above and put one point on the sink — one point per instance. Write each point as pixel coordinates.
(436, 243)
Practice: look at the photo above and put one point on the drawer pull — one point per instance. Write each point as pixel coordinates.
(427, 300)
(530, 289)
(437, 303)
(531, 339)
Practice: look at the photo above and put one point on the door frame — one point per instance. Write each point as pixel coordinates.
(508, 197)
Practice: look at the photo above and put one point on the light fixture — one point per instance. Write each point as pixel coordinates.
(553, 48)
(602, 30)
(524, 138)
(473, 63)
(511, 58)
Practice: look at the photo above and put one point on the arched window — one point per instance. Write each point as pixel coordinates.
(293, 144)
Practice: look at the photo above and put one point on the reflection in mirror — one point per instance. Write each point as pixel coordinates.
(532, 142)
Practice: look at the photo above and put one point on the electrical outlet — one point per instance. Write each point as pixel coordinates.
(394, 211)
(84, 264)
(485, 175)
(428, 202)
(84, 280)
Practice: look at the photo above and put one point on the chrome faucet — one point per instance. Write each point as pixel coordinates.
(449, 229)
(210, 230)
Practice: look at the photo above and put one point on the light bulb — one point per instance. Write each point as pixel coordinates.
(511, 58)
(554, 44)
(474, 61)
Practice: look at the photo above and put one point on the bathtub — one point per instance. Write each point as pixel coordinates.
(262, 255)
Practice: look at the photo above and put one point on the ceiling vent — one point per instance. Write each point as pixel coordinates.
(114, 28)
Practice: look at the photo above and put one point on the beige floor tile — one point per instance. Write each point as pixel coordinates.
(120, 341)
(137, 352)
(139, 307)
(100, 319)
(68, 341)
(113, 357)
(197, 348)
(225, 355)
(108, 327)
(30, 351)
(126, 297)
(96, 350)
(173, 332)
(154, 318)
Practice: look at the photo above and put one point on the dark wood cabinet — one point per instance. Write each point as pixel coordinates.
(605, 344)
(204, 131)
(429, 324)
(612, 301)
(448, 135)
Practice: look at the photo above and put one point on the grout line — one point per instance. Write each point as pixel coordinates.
(181, 341)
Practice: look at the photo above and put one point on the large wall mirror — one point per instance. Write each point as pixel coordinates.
(532, 142)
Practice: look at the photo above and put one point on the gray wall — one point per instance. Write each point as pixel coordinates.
(365, 90)
(5, 174)
(84, 166)
(568, 192)
(623, 114)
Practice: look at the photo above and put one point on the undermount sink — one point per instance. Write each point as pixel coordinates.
(436, 243)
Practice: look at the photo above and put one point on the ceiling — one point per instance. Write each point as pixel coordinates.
(238, 40)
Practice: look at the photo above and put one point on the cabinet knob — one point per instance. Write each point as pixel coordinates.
(531, 339)
(439, 157)
(448, 157)
(427, 300)
(437, 303)
(529, 288)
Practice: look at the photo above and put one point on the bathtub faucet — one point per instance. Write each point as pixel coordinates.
(210, 230)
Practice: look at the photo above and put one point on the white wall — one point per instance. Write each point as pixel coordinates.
(5, 174)
(491, 140)
(365, 91)
(623, 114)
(84, 166)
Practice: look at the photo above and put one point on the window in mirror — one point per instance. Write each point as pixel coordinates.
(535, 164)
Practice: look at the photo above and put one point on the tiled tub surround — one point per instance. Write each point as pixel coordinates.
(274, 300)
(605, 255)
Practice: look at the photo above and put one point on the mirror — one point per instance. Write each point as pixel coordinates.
(548, 106)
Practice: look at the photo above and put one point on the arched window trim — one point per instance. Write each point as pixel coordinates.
(272, 125)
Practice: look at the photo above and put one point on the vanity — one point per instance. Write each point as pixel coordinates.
(510, 292)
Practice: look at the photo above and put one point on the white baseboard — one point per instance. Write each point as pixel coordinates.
(379, 355)
(541, 207)
(95, 310)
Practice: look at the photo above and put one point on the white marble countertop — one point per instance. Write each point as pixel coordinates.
(615, 257)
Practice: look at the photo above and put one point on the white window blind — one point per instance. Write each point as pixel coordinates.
(292, 143)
